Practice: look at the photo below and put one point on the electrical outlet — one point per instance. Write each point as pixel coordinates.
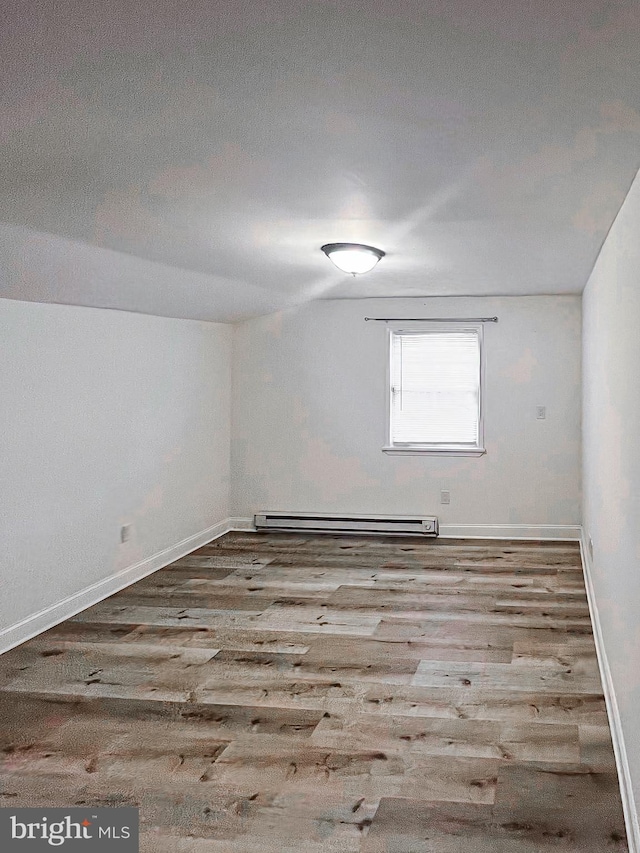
(541, 412)
(125, 532)
(445, 496)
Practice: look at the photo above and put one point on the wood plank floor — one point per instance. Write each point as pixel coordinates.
(327, 694)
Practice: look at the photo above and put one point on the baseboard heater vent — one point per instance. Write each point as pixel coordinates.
(317, 523)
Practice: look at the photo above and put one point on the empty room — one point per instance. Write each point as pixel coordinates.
(320, 505)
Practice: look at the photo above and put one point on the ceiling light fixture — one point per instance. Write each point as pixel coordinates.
(354, 258)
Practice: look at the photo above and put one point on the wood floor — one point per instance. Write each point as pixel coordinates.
(272, 693)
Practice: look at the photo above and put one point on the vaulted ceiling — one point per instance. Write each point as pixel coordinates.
(215, 145)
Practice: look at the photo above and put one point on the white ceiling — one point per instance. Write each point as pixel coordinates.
(485, 145)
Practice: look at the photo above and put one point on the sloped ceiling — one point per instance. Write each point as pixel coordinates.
(485, 145)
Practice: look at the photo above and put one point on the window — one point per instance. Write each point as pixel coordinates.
(435, 403)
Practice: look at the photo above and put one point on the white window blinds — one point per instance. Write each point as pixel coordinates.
(435, 388)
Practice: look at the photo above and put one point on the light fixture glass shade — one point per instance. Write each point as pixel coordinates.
(354, 258)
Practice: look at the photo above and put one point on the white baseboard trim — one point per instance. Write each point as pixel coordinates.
(613, 712)
(564, 532)
(35, 624)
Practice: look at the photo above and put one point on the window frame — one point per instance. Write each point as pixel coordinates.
(416, 327)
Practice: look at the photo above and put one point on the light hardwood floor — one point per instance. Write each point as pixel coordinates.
(273, 693)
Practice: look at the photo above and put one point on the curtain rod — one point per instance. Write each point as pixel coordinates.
(432, 319)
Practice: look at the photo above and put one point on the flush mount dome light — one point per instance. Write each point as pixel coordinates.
(354, 258)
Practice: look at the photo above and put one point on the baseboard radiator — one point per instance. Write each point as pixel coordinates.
(319, 523)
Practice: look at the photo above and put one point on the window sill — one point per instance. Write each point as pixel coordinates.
(416, 450)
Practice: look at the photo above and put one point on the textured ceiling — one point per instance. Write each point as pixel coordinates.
(485, 146)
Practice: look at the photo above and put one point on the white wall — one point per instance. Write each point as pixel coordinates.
(309, 415)
(106, 418)
(612, 458)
